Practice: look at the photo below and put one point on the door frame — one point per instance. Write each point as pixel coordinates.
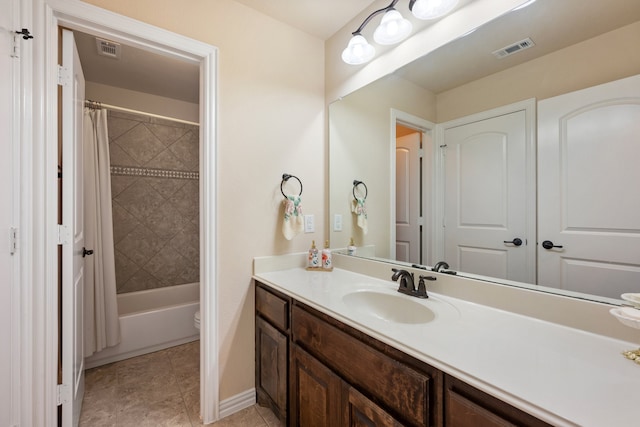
(529, 107)
(48, 15)
(424, 126)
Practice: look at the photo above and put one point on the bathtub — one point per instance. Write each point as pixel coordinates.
(152, 320)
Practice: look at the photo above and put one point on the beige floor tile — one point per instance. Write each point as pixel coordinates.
(156, 389)
(189, 380)
(167, 412)
(142, 368)
(268, 416)
(99, 408)
(100, 377)
(248, 417)
(149, 390)
(192, 402)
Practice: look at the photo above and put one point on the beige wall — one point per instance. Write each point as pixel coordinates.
(270, 121)
(360, 131)
(142, 102)
(608, 57)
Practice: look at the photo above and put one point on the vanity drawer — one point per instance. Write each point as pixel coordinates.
(273, 307)
(465, 405)
(405, 393)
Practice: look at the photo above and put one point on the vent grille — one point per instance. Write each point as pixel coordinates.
(513, 48)
(108, 48)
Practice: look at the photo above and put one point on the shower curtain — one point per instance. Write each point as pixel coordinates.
(101, 323)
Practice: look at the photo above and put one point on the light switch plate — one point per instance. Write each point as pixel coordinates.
(337, 222)
(309, 226)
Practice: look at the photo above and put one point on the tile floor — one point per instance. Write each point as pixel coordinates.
(156, 389)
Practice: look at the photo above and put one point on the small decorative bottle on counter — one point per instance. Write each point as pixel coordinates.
(351, 249)
(326, 257)
(314, 257)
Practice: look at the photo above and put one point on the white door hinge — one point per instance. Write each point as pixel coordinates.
(64, 76)
(421, 221)
(13, 240)
(15, 52)
(421, 153)
(63, 234)
(63, 394)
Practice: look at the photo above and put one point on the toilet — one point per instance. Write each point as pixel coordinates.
(196, 320)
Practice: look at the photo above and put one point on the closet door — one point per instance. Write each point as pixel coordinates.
(485, 198)
(588, 195)
(408, 198)
(73, 251)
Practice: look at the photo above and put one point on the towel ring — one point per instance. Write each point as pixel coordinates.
(355, 184)
(285, 178)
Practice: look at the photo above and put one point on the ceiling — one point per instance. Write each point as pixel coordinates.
(321, 18)
(551, 24)
(146, 72)
(464, 60)
(139, 70)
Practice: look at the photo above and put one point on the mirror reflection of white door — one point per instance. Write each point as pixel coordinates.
(588, 195)
(72, 79)
(408, 198)
(485, 198)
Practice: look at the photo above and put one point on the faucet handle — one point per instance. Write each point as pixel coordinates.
(422, 288)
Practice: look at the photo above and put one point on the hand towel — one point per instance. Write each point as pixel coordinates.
(360, 210)
(293, 220)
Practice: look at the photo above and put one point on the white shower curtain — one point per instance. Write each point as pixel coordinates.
(101, 323)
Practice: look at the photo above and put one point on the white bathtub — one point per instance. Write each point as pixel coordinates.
(152, 320)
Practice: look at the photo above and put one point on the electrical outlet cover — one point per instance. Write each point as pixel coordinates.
(309, 224)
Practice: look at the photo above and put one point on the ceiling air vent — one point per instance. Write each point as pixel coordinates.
(108, 48)
(513, 48)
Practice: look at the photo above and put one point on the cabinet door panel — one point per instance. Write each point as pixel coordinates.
(315, 392)
(271, 365)
(361, 412)
(403, 391)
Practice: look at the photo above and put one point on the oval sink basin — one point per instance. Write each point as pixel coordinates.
(390, 307)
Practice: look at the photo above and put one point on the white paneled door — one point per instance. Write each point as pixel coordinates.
(589, 189)
(9, 214)
(408, 198)
(485, 197)
(72, 233)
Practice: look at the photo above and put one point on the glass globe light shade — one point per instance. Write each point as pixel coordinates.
(392, 29)
(358, 51)
(432, 9)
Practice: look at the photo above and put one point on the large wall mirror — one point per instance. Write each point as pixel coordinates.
(524, 132)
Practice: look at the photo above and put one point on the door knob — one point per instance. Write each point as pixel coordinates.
(548, 244)
(517, 241)
(86, 252)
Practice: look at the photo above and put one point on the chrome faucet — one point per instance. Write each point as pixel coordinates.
(407, 285)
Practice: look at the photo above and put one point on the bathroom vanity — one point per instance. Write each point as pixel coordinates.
(344, 348)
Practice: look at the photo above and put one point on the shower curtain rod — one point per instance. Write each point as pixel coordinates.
(93, 104)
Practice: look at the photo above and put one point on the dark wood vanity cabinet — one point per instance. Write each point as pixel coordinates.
(313, 370)
(467, 406)
(379, 372)
(272, 350)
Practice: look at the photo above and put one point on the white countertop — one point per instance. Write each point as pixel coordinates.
(561, 375)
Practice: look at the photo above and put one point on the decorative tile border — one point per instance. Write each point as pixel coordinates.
(150, 172)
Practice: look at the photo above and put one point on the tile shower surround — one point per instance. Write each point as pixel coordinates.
(155, 195)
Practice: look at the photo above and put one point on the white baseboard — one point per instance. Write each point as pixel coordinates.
(237, 403)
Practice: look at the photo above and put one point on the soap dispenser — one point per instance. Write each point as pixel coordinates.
(351, 249)
(326, 257)
(314, 257)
